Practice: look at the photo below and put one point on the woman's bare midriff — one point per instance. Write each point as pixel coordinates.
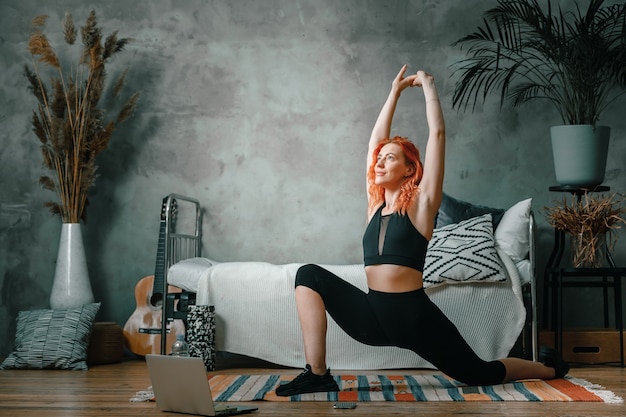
(393, 278)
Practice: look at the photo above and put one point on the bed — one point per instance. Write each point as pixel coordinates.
(479, 270)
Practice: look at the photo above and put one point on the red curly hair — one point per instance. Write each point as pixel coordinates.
(410, 186)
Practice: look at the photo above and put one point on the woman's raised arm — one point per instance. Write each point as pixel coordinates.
(382, 127)
(431, 185)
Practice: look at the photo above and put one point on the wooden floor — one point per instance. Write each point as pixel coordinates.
(106, 390)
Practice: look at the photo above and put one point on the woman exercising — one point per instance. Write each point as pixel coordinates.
(403, 199)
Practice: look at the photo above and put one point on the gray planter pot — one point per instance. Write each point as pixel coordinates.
(580, 153)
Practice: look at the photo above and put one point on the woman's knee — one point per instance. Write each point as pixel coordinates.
(307, 275)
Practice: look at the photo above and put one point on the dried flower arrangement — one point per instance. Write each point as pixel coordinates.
(589, 221)
(68, 121)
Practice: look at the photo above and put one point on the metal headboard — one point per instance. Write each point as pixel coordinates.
(533, 287)
(183, 240)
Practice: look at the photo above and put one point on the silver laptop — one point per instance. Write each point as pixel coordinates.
(180, 385)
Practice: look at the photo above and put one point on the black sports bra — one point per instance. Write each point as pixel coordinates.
(393, 239)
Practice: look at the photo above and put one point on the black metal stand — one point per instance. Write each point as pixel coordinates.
(554, 281)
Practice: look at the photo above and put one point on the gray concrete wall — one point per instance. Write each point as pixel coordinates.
(261, 110)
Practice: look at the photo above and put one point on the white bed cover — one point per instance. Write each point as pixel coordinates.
(256, 314)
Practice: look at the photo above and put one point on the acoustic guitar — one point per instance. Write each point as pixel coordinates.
(142, 331)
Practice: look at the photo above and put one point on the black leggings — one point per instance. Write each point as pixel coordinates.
(408, 320)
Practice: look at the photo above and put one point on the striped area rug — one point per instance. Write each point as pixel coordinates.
(418, 387)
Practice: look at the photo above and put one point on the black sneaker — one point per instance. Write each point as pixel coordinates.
(552, 358)
(308, 382)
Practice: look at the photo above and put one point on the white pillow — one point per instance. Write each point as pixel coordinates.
(463, 252)
(512, 233)
(186, 273)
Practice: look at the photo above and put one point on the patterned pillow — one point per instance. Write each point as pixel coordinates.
(463, 252)
(52, 339)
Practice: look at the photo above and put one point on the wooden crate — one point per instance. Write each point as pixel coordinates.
(106, 343)
(587, 346)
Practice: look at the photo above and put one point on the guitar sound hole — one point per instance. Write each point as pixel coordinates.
(156, 300)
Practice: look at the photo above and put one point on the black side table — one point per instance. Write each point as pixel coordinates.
(554, 280)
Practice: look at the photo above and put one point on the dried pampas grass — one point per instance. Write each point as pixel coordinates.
(67, 121)
(590, 222)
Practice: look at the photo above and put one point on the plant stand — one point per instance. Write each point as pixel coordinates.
(556, 278)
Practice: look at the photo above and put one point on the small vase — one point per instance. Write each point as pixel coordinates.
(71, 286)
(588, 250)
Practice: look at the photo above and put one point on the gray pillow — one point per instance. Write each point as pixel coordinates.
(52, 339)
(453, 211)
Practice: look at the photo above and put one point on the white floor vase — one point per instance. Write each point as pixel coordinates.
(71, 286)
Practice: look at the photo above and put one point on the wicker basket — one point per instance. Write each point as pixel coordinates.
(106, 344)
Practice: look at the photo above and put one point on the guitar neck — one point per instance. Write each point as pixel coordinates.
(159, 267)
(158, 290)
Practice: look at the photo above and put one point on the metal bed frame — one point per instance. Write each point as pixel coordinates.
(182, 241)
(530, 334)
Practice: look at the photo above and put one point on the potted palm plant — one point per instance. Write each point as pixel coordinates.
(69, 122)
(576, 60)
